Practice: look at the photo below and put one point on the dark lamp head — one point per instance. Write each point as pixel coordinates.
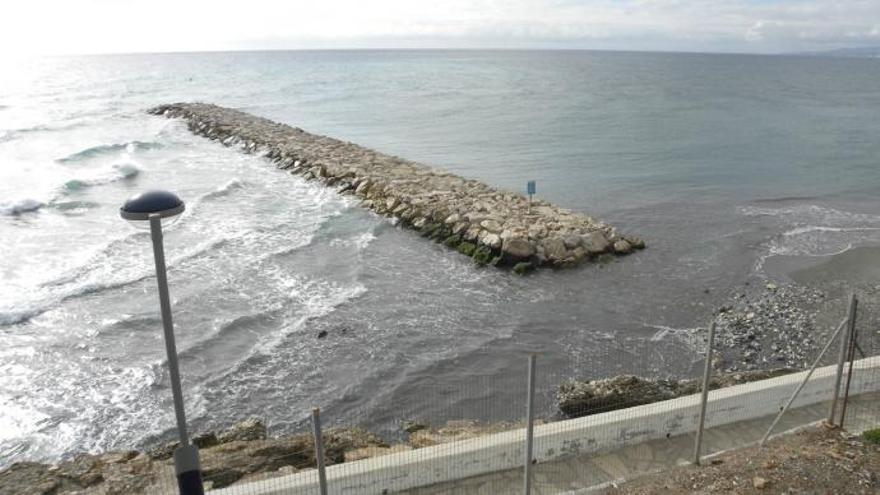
(138, 208)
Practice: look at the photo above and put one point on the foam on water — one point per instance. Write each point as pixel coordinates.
(108, 149)
(814, 230)
(93, 278)
(359, 241)
(117, 172)
(314, 299)
(20, 206)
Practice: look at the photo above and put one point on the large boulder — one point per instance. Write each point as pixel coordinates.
(595, 243)
(230, 462)
(571, 241)
(622, 247)
(491, 240)
(577, 399)
(636, 242)
(491, 225)
(38, 478)
(516, 249)
(249, 429)
(554, 249)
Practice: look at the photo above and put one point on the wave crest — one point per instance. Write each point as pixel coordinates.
(119, 172)
(18, 207)
(91, 279)
(224, 190)
(109, 149)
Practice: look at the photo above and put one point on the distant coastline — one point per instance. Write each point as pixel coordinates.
(860, 52)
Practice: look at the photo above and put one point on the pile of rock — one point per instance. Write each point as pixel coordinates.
(583, 398)
(774, 327)
(491, 226)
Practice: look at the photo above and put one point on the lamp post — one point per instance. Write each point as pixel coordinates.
(152, 208)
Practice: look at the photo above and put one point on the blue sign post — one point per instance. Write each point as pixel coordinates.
(530, 189)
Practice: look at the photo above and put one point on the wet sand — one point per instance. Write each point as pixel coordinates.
(854, 267)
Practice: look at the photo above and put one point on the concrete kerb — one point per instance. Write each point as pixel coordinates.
(590, 434)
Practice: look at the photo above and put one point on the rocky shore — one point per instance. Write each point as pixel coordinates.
(583, 398)
(762, 331)
(776, 325)
(240, 454)
(245, 453)
(491, 226)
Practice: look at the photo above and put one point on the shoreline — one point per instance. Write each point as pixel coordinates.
(491, 226)
(750, 322)
(245, 453)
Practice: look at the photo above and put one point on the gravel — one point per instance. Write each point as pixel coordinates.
(772, 328)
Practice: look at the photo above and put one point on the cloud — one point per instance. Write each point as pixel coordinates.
(696, 25)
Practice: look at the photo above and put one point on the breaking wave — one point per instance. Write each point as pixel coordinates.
(312, 298)
(228, 188)
(119, 172)
(89, 279)
(109, 149)
(11, 134)
(18, 207)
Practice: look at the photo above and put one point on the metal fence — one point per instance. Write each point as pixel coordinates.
(560, 439)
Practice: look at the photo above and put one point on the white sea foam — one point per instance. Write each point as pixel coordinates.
(97, 275)
(227, 188)
(809, 229)
(809, 213)
(691, 337)
(814, 230)
(130, 147)
(117, 172)
(360, 241)
(315, 298)
(17, 207)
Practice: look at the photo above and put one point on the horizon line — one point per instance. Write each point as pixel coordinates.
(426, 49)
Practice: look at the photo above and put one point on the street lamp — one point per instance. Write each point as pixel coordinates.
(153, 208)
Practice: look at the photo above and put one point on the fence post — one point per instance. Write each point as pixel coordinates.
(841, 359)
(319, 450)
(530, 425)
(707, 374)
(803, 382)
(853, 343)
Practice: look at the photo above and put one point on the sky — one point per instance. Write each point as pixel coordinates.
(753, 26)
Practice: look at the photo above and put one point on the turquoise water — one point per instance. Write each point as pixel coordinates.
(719, 161)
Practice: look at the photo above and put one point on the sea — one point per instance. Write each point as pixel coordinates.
(287, 296)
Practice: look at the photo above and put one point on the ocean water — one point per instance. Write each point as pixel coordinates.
(719, 161)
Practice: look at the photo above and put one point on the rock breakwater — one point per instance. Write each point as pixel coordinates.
(491, 226)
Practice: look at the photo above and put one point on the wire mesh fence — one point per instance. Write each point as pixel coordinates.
(624, 416)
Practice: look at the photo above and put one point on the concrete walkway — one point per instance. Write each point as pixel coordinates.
(586, 473)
